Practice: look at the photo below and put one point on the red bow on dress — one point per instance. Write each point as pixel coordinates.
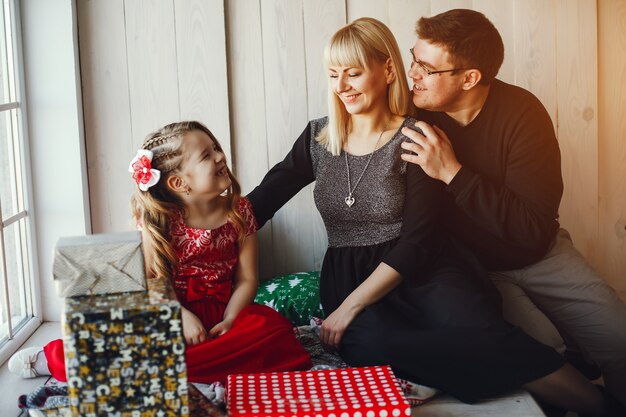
(198, 289)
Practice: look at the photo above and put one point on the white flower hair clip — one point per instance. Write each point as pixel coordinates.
(141, 168)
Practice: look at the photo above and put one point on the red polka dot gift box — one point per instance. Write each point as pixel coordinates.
(346, 392)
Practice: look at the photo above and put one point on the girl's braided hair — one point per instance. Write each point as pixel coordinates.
(154, 209)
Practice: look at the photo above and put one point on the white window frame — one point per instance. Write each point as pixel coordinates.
(17, 334)
(60, 198)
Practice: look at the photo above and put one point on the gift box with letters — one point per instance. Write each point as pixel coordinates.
(99, 264)
(124, 355)
(362, 392)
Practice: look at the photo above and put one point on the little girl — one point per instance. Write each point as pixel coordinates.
(198, 230)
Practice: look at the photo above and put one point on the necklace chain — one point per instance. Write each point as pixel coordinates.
(349, 200)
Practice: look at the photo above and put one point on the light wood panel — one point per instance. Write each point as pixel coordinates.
(577, 131)
(286, 96)
(612, 144)
(534, 53)
(201, 71)
(403, 15)
(152, 66)
(502, 16)
(247, 92)
(247, 107)
(438, 6)
(321, 21)
(106, 109)
(359, 8)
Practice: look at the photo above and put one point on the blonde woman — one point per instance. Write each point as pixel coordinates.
(394, 288)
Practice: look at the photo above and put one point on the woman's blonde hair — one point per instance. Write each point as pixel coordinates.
(154, 209)
(361, 43)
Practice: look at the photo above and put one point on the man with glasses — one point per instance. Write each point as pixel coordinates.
(494, 146)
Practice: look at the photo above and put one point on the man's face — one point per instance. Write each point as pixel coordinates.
(435, 92)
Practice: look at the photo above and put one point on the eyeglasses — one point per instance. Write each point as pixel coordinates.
(425, 70)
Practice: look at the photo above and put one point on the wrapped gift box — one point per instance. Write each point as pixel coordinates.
(124, 355)
(201, 406)
(99, 264)
(354, 392)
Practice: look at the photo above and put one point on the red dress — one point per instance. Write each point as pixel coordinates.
(260, 339)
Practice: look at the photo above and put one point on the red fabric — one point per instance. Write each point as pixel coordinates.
(207, 258)
(261, 340)
(56, 359)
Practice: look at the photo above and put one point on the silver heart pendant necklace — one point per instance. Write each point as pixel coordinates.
(349, 200)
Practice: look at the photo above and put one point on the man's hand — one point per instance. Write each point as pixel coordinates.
(432, 151)
(193, 330)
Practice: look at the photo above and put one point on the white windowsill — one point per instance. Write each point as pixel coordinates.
(13, 386)
(20, 337)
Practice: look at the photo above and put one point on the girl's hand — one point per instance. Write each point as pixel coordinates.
(193, 330)
(220, 328)
(335, 325)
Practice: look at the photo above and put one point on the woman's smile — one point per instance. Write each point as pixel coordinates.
(350, 98)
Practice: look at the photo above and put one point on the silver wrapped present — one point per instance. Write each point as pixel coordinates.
(99, 264)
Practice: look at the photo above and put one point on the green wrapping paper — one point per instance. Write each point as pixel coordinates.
(295, 296)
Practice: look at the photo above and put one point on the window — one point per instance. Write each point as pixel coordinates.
(17, 301)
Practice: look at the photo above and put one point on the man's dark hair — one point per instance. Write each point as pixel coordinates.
(469, 37)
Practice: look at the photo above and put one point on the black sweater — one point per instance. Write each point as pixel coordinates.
(503, 203)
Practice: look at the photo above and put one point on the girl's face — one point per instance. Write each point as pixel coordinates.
(361, 90)
(435, 92)
(204, 166)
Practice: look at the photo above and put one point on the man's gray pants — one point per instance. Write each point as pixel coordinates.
(584, 309)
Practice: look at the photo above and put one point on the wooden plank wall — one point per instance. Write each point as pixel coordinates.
(611, 244)
(252, 70)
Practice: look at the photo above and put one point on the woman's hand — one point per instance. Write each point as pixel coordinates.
(335, 325)
(193, 330)
(220, 328)
(376, 286)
